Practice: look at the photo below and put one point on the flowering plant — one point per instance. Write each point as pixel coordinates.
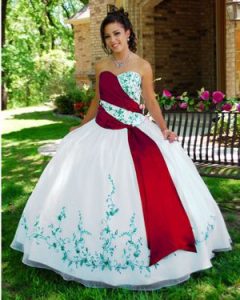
(82, 99)
(83, 94)
(205, 101)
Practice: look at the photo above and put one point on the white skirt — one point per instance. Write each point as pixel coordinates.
(84, 219)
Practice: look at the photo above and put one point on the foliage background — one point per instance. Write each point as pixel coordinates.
(37, 49)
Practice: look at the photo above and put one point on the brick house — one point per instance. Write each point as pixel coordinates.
(190, 44)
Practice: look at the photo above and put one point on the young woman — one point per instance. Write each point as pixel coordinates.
(121, 204)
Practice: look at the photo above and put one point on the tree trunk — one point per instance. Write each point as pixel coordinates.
(4, 97)
(4, 12)
(3, 90)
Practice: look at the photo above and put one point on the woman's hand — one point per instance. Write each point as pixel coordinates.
(169, 135)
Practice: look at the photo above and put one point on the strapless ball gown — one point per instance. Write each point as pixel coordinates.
(118, 205)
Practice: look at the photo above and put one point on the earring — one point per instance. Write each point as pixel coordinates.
(128, 39)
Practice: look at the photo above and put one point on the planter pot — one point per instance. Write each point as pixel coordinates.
(167, 107)
(78, 106)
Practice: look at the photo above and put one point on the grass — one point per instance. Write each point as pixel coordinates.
(24, 132)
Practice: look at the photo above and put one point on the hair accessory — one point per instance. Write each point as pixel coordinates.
(112, 9)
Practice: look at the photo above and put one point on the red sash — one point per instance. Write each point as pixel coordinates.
(167, 226)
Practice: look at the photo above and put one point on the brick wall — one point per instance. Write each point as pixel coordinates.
(88, 47)
(176, 37)
(98, 10)
(185, 44)
(82, 54)
(237, 38)
(230, 58)
(207, 49)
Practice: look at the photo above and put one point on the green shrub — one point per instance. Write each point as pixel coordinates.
(64, 104)
(34, 79)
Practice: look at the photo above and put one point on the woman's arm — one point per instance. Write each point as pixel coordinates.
(92, 110)
(152, 104)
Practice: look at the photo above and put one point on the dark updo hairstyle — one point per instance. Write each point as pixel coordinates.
(120, 16)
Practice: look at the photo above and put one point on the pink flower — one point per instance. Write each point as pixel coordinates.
(166, 93)
(227, 107)
(183, 105)
(238, 107)
(201, 106)
(178, 97)
(78, 105)
(174, 106)
(218, 97)
(205, 95)
(142, 106)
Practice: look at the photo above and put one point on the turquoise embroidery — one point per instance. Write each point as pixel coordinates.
(123, 115)
(74, 251)
(131, 83)
(209, 229)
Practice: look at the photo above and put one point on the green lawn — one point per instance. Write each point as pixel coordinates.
(24, 132)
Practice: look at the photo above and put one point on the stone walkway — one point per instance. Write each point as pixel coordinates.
(49, 149)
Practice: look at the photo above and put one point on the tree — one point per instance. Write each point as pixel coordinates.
(30, 30)
(3, 90)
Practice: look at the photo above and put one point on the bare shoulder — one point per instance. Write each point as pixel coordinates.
(143, 65)
(146, 67)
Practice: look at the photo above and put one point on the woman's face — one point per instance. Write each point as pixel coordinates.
(116, 37)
